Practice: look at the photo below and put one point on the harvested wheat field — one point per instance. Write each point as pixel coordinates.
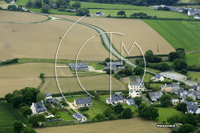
(41, 41)
(20, 17)
(97, 82)
(134, 125)
(4, 6)
(15, 77)
(133, 30)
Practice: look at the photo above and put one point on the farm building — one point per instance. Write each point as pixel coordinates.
(154, 96)
(98, 13)
(157, 78)
(196, 87)
(38, 108)
(170, 87)
(83, 102)
(79, 117)
(130, 101)
(115, 99)
(49, 98)
(114, 66)
(79, 66)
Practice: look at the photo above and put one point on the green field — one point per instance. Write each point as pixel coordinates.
(159, 14)
(109, 6)
(178, 33)
(165, 112)
(64, 115)
(193, 58)
(7, 116)
(194, 75)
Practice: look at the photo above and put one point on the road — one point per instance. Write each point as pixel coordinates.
(106, 41)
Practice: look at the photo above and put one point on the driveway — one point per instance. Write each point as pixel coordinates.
(177, 76)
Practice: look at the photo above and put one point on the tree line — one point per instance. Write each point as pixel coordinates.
(134, 2)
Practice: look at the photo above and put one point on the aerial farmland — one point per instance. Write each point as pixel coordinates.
(63, 67)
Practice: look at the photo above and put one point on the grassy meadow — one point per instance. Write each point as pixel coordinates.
(159, 14)
(193, 58)
(97, 82)
(183, 34)
(65, 116)
(8, 115)
(165, 112)
(194, 75)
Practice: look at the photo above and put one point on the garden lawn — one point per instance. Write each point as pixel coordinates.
(7, 116)
(180, 34)
(98, 108)
(64, 115)
(133, 108)
(165, 112)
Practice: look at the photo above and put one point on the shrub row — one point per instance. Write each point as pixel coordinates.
(12, 61)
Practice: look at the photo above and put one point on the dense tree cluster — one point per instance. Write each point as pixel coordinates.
(82, 12)
(134, 2)
(180, 53)
(148, 112)
(9, 61)
(140, 15)
(23, 96)
(150, 58)
(165, 100)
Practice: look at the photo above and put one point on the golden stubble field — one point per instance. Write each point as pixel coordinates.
(97, 82)
(41, 40)
(133, 30)
(16, 77)
(19, 17)
(134, 125)
(4, 6)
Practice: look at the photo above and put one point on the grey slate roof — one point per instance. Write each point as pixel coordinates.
(80, 66)
(157, 76)
(40, 107)
(139, 80)
(48, 94)
(155, 95)
(79, 115)
(137, 84)
(115, 98)
(180, 90)
(115, 63)
(193, 108)
(131, 101)
(51, 100)
(83, 100)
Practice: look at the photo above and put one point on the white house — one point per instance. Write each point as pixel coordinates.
(191, 12)
(115, 99)
(136, 86)
(130, 101)
(38, 108)
(48, 96)
(83, 102)
(157, 78)
(79, 117)
(134, 94)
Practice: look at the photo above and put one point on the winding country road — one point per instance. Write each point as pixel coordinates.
(107, 43)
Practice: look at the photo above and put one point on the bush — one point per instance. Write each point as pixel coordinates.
(184, 71)
(82, 12)
(41, 75)
(83, 109)
(1, 8)
(45, 9)
(12, 8)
